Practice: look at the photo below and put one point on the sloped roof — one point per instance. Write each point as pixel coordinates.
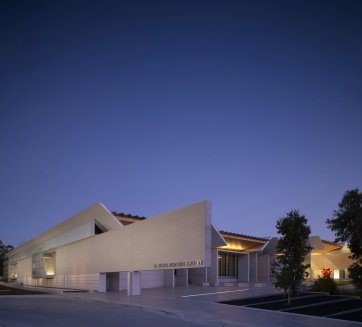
(243, 236)
(332, 243)
(320, 246)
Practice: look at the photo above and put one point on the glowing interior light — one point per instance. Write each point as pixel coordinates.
(336, 274)
(49, 265)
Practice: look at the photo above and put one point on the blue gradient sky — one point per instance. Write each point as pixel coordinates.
(148, 106)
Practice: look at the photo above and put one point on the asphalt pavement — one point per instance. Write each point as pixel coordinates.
(179, 306)
(57, 311)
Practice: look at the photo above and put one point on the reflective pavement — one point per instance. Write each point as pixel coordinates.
(199, 304)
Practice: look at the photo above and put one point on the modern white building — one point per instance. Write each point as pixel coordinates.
(100, 250)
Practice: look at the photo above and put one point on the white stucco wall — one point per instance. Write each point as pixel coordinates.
(263, 267)
(24, 268)
(337, 261)
(183, 235)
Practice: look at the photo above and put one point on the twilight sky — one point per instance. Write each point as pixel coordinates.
(148, 106)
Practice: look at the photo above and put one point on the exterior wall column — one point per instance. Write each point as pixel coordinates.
(256, 267)
(169, 277)
(182, 277)
(248, 267)
(134, 283)
(65, 281)
(243, 268)
(102, 283)
(308, 260)
(213, 272)
(205, 283)
(119, 284)
(129, 283)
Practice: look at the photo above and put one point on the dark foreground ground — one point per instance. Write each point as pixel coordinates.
(179, 306)
(54, 311)
(5, 290)
(313, 304)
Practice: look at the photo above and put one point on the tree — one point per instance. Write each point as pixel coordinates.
(3, 249)
(355, 273)
(346, 223)
(288, 268)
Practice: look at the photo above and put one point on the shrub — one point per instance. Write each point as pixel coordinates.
(355, 273)
(323, 284)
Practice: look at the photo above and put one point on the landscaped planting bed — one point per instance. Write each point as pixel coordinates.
(327, 309)
(297, 302)
(259, 299)
(353, 316)
(312, 304)
(5, 290)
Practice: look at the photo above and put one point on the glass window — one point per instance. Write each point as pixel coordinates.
(49, 264)
(13, 271)
(37, 265)
(43, 264)
(228, 264)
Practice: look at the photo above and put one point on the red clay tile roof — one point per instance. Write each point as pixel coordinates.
(244, 236)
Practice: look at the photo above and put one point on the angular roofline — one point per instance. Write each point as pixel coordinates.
(332, 243)
(244, 236)
(128, 215)
(97, 212)
(248, 237)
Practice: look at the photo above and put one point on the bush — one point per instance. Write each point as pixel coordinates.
(355, 273)
(323, 284)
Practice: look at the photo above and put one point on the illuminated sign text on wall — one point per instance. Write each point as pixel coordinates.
(181, 264)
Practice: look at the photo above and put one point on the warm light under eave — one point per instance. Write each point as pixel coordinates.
(232, 247)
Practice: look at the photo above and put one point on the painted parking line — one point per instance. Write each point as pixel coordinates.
(215, 293)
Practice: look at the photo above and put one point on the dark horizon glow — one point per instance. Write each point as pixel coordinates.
(148, 106)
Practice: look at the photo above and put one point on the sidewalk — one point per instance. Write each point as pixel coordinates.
(198, 304)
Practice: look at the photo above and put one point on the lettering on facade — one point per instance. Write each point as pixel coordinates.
(181, 264)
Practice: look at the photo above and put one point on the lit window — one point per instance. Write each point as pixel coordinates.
(43, 265)
(228, 264)
(13, 271)
(49, 264)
